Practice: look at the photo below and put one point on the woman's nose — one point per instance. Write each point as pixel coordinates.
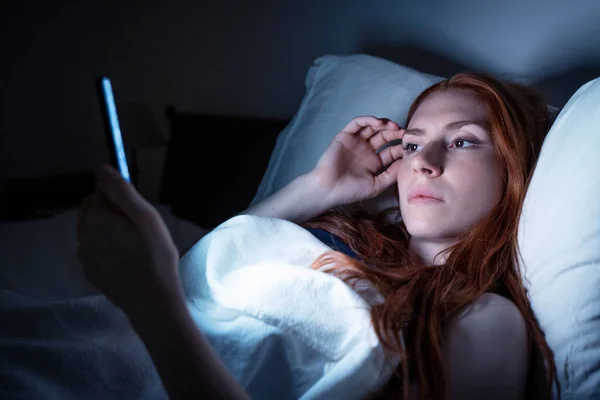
(428, 161)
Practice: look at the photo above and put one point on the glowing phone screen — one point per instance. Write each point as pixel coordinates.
(115, 129)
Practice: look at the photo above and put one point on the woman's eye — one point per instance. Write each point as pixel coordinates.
(463, 143)
(410, 147)
(458, 143)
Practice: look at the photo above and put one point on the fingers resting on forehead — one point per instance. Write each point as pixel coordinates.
(358, 123)
(385, 137)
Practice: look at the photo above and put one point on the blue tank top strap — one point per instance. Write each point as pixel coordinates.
(333, 241)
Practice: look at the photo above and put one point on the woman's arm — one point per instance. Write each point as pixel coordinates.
(127, 252)
(349, 171)
(185, 360)
(299, 201)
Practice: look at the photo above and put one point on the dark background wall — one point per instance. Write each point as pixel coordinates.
(250, 58)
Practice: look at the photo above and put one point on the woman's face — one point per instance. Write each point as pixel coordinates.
(449, 155)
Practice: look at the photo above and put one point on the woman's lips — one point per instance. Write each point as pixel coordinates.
(424, 200)
(422, 194)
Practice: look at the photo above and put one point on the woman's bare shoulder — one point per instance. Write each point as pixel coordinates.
(493, 316)
(492, 305)
(487, 350)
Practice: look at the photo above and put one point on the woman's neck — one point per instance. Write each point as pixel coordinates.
(429, 250)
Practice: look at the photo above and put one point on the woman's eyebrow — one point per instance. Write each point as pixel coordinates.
(459, 124)
(452, 126)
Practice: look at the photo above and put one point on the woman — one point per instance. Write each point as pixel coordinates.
(448, 271)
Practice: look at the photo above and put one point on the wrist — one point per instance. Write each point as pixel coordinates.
(315, 194)
(303, 198)
(164, 297)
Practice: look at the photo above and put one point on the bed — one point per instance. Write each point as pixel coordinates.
(259, 156)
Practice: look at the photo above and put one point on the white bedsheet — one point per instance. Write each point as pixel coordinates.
(71, 349)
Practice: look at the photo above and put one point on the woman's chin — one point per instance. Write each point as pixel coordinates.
(429, 230)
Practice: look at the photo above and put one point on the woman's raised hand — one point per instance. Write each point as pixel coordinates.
(352, 169)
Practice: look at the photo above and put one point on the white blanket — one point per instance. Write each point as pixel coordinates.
(285, 331)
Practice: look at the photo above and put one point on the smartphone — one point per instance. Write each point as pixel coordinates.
(112, 129)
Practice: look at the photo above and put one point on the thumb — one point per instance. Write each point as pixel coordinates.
(121, 193)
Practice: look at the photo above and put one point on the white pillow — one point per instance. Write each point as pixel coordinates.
(559, 237)
(339, 88)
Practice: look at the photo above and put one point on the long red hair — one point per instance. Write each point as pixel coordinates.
(419, 300)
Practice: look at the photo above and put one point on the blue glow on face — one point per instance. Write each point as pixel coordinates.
(115, 129)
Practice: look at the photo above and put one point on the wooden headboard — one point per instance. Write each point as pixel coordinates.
(214, 164)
